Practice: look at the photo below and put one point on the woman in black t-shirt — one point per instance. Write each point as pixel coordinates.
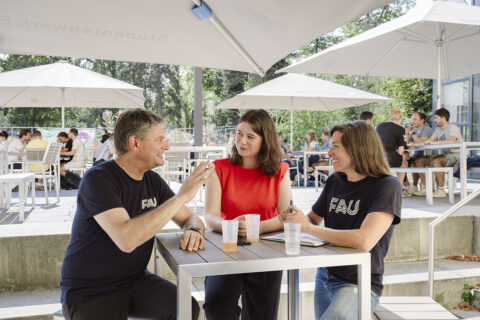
(359, 205)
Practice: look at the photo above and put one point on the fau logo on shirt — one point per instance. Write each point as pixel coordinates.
(149, 203)
(340, 206)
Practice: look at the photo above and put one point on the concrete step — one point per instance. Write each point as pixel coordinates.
(456, 235)
(34, 305)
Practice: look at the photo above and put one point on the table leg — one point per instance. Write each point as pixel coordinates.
(463, 171)
(33, 192)
(21, 200)
(2, 192)
(429, 187)
(293, 301)
(8, 190)
(364, 288)
(305, 167)
(184, 295)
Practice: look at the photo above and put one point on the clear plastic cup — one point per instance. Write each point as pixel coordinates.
(292, 238)
(252, 222)
(230, 235)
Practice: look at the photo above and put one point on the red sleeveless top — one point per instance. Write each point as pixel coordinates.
(248, 190)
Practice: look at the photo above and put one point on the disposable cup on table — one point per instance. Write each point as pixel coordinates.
(252, 222)
(292, 238)
(230, 235)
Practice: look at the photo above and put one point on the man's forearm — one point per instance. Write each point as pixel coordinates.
(144, 227)
(196, 222)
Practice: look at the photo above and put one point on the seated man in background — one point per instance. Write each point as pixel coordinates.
(444, 133)
(78, 152)
(37, 142)
(4, 140)
(18, 146)
(419, 134)
(67, 146)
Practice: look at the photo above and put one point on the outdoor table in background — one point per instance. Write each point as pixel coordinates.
(464, 147)
(305, 155)
(259, 257)
(198, 149)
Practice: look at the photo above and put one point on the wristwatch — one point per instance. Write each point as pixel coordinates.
(195, 229)
(413, 133)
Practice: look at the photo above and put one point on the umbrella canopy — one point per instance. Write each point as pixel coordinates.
(298, 92)
(63, 85)
(247, 35)
(438, 40)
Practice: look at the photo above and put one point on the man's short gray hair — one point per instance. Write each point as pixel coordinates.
(135, 122)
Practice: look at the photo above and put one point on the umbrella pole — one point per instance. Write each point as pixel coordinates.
(63, 108)
(439, 77)
(291, 129)
(63, 118)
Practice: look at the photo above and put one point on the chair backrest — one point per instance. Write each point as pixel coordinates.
(52, 154)
(35, 154)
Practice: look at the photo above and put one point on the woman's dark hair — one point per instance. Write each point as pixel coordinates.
(4, 134)
(270, 156)
(105, 137)
(364, 146)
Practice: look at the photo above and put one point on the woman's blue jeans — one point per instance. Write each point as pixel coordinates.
(336, 299)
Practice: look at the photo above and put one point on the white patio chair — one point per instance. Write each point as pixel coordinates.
(50, 165)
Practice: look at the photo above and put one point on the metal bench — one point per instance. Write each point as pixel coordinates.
(429, 179)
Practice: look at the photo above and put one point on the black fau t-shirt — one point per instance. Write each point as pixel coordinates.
(93, 264)
(344, 205)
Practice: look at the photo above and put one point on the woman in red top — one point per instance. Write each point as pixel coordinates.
(252, 180)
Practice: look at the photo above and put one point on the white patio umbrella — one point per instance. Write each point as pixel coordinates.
(63, 85)
(438, 40)
(297, 92)
(247, 35)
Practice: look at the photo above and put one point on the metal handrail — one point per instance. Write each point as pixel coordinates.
(431, 235)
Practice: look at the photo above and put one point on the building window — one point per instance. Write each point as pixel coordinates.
(455, 98)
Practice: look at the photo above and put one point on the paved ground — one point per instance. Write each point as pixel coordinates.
(302, 197)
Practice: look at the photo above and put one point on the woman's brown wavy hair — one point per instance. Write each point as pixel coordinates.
(364, 146)
(270, 156)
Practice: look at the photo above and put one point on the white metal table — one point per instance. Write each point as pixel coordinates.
(22, 179)
(464, 147)
(259, 257)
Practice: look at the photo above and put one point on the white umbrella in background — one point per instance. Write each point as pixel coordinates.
(297, 92)
(63, 85)
(247, 35)
(439, 40)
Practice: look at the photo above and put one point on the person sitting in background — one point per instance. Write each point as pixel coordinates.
(392, 135)
(18, 146)
(37, 142)
(419, 134)
(286, 158)
(444, 133)
(105, 150)
(310, 145)
(359, 205)
(3, 140)
(78, 152)
(230, 141)
(327, 141)
(67, 146)
(252, 179)
(366, 116)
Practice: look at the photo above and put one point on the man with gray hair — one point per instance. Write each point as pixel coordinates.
(121, 205)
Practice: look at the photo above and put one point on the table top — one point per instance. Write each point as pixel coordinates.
(468, 145)
(16, 176)
(258, 257)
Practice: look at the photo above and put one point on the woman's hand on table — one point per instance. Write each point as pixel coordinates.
(294, 214)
